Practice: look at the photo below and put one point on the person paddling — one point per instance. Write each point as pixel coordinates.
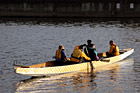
(78, 55)
(92, 53)
(114, 49)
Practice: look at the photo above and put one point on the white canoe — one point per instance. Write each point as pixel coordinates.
(50, 68)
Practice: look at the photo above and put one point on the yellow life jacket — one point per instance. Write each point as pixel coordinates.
(114, 50)
(77, 47)
(58, 53)
(77, 55)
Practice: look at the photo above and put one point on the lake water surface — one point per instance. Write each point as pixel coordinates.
(32, 42)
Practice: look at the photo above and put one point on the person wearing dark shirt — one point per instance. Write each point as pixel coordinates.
(86, 49)
(92, 53)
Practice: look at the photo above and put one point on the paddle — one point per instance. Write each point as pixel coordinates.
(92, 67)
(102, 59)
(21, 66)
(15, 64)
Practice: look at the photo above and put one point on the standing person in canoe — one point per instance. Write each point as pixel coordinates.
(60, 54)
(86, 49)
(78, 55)
(92, 53)
(114, 50)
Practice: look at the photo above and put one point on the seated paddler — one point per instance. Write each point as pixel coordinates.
(60, 54)
(77, 47)
(78, 55)
(92, 53)
(114, 49)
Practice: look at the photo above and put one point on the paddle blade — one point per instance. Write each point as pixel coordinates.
(105, 60)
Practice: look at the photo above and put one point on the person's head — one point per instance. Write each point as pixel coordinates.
(81, 47)
(111, 42)
(89, 42)
(61, 47)
(92, 45)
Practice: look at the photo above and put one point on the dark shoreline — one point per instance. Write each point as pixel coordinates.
(69, 19)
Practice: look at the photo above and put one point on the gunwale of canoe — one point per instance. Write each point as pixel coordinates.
(43, 69)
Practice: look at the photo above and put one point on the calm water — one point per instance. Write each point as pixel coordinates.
(32, 42)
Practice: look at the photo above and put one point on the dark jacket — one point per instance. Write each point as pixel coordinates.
(86, 50)
(93, 54)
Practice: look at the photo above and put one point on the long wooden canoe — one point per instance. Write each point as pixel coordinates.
(51, 67)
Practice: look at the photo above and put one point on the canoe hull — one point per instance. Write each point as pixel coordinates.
(35, 71)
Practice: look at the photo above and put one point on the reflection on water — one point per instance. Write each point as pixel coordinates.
(83, 81)
(33, 41)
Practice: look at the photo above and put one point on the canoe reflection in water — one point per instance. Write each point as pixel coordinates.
(85, 80)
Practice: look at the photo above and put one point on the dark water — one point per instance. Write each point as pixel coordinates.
(32, 42)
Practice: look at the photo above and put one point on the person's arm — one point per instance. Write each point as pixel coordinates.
(117, 48)
(63, 54)
(85, 56)
(97, 58)
(111, 50)
(86, 51)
